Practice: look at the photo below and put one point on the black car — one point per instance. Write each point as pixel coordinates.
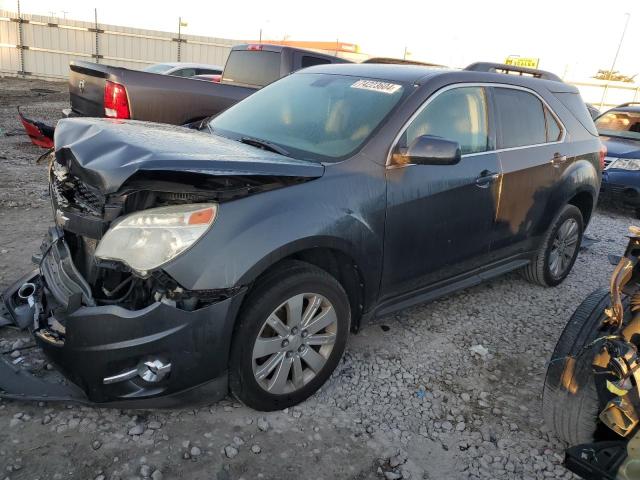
(619, 130)
(241, 255)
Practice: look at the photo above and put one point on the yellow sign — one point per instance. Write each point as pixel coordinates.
(528, 62)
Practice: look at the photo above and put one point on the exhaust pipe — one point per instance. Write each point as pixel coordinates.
(29, 312)
(26, 291)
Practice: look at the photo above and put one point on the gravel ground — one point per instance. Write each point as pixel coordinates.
(415, 397)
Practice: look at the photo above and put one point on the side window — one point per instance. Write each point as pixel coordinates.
(554, 132)
(459, 114)
(308, 61)
(184, 72)
(208, 71)
(522, 118)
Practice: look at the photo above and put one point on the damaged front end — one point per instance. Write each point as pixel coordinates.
(106, 313)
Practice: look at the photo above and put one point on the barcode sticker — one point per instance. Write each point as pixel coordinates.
(376, 86)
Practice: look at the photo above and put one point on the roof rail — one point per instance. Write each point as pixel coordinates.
(627, 104)
(504, 68)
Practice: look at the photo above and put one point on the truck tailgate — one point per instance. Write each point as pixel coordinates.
(86, 89)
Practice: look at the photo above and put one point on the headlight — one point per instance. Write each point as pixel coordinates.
(148, 239)
(625, 164)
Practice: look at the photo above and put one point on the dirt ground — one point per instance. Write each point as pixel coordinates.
(409, 400)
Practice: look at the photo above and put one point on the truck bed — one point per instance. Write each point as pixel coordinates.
(152, 97)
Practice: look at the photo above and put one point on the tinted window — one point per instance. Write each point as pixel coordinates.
(521, 117)
(308, 61)
(252, 67)
(184, 72)
(208, 71)
(312, 116)
(554, 131)
(459, 114)
(574, 103)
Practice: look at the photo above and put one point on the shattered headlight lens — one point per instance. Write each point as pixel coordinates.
(147, 239)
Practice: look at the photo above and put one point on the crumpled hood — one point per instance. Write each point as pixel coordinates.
(106, 152)
(621, 147)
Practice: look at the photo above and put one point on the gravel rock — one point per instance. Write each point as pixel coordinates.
(230, 451)
(195, 452)
(256, 449)
(263, 424)
(136, 430)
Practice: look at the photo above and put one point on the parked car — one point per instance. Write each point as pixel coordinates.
(619, 130)
(184, 69)
(591, 397)
(241, 255)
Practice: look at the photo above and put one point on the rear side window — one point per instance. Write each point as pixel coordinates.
(574, 103)
(252, 67)
(208, 71)
(459, 114)
(308, 61)
(184, 72)
(522, 118)
(554, 131)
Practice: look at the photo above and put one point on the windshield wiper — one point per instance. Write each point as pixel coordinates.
(265, 145)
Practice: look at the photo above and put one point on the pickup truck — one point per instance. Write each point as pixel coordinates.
(97, 90)
(104, 91)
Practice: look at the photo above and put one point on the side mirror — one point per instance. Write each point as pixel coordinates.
(431, 150)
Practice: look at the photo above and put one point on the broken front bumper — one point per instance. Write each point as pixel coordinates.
(104, 350)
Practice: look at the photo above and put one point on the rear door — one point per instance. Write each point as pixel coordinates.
(532, 157)
(440, 217)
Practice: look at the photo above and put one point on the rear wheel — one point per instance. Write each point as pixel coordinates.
(559, 250)
(569, 400)
(291, 334)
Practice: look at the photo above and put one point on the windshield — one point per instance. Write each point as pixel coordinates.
(312, 116)
(159, 68)
(620, 124)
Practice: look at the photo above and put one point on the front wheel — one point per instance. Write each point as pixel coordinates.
(291, 334)
(559, 250)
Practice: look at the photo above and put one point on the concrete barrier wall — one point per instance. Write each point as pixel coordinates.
(39, 46)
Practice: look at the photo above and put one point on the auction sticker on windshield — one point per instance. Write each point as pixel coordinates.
(376, 86)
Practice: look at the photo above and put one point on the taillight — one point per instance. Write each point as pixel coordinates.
(603, 153)
(254, 47)
(116, 103)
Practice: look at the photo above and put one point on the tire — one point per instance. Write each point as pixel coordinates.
(539, 271)
(572, 413)
(276, 294)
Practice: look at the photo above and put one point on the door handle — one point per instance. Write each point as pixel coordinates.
(558, 159)
(486, 178)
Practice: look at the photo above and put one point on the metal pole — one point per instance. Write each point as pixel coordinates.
(179, 36)
(404, 57)
(615, 59)
(20, 42)
(260, 36)
(95, 15)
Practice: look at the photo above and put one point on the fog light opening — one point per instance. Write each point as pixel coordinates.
(154, 371)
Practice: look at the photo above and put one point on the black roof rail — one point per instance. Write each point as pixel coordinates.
(504, 68)
(626, 104)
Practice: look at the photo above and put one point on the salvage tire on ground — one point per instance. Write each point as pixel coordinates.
(569, 400)
(559, 249)
(290, 336)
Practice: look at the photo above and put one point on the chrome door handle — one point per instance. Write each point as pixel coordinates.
(486, 178)
(558, 159)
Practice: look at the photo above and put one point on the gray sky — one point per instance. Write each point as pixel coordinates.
(576, 37)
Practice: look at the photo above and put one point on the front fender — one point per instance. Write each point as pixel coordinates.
(343, 212)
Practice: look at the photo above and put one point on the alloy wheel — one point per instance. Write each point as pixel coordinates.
(564, 247)
(294, 343)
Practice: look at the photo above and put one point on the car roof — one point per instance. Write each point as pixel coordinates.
(190, 64)
(421, 74)
(627, 108)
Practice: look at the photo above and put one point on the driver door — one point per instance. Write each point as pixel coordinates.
(440, 218)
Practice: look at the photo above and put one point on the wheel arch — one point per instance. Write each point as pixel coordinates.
(335, 256)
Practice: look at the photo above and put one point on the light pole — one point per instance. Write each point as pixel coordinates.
(615, 59)
(181, 24)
